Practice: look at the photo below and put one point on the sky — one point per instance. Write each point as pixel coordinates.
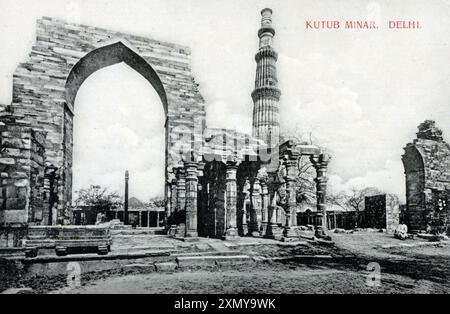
(359, 93)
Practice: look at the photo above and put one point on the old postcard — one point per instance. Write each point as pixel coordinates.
(206, 147)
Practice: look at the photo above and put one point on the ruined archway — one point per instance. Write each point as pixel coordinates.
(96, 60)
(62, 57)
(105, 56)
(414, 165)
(118, 125)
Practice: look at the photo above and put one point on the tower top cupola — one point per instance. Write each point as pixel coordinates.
(266, 32)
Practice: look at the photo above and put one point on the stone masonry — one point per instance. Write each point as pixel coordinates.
(427, 169)
(219, 182)
(62, 57)
(382, 211)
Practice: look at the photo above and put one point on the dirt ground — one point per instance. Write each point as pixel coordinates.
(411, 266)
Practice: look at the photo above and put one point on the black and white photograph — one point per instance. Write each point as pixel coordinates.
(222, 152)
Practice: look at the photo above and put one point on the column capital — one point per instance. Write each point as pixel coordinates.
(264, 187)
(191, 170)
(180, 172)
(321, 180)
(320, 161)
(231, 164)
(231, 170)
(291, 166)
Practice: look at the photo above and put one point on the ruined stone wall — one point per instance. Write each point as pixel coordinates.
(37, 176)
(392, 213)
(427, 170)
(382, 211)
(375, 211)
(15, 167)
(22, 163)
(64, 55)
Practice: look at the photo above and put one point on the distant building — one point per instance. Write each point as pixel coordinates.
(140, 214)
(382, 212)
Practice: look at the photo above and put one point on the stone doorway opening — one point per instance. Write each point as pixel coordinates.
(117, 123)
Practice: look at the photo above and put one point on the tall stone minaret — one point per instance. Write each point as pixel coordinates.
(266, 95)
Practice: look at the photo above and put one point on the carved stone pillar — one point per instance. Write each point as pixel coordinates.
(244, 199)
(273, 229)
(320, 163)
(178, 227)
(173, 196)
(181, 189)
(191, 199)
(244, 216)
(291, 201)
(170, 220)
(231, 201)
(265, 206)
(255, 213)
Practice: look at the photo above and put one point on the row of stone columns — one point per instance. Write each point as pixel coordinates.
(320, 163)
(116, 216)
(184, 191)
(263, 217)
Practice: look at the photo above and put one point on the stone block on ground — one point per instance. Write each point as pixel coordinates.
(165, 267)
(211, 261)
(138, 268)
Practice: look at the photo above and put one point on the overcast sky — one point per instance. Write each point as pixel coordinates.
(361, 93)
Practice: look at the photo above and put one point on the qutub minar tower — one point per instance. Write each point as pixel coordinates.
(266, 95)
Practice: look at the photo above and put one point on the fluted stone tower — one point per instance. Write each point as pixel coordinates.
(266, 95)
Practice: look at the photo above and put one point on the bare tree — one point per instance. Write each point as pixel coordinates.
(305, 185)
(355, 199)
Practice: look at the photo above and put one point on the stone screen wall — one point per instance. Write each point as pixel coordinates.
(63, 56)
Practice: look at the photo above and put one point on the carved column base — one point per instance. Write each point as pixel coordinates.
(274, 232)
(231, 234)
(180, 231)
(172, 230)
(289, 234)
(264, 226)
(244, 230)
(191, 234)
(253, 229)
(322, 234)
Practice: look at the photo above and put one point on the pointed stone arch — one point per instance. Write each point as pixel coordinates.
(64, 55)
(106, 56)
(414, 165)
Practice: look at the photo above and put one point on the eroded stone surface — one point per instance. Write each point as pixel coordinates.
(44, 90)
(427, 169)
